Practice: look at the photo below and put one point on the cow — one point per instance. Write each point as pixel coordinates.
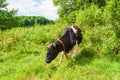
(69, 40)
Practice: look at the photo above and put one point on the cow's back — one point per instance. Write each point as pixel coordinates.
(69, 38)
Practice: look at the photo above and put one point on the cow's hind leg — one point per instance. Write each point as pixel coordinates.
(74, 51)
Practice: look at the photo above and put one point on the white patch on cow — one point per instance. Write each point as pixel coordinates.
(74, 30)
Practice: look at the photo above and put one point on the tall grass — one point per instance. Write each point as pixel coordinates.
(23, 53)
(23, 50)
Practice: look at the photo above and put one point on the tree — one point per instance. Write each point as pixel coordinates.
(7, 17)
(66, 7)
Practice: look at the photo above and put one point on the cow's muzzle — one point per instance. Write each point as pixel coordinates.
(48, 61)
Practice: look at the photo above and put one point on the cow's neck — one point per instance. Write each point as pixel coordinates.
(59, 46)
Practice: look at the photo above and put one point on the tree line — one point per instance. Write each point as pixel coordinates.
(82, 12)
(26, 21)
(9, 18)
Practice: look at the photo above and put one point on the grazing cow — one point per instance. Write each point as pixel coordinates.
(70, 39)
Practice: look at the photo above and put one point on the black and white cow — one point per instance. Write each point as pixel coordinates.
(70, 39)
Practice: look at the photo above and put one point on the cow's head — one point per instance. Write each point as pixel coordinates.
(51, 53)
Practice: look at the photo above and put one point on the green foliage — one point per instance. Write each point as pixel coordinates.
(34, 20)
(90, 13)
(90, 17)
(101, 40)
(23, 53)
(23, 50)
(3, 3)
(100, 26)
(7, 17)
(67, 7)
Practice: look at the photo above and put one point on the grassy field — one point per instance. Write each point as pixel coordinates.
(23, 53)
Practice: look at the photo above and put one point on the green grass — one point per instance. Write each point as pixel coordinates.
(23, 53)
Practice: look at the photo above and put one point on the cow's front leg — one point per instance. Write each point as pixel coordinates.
(61, 58)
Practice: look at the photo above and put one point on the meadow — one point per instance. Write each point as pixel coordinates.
(23, 52)
(24, 39)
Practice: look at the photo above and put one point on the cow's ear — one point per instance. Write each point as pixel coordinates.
(54, 45)
(48, 44)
